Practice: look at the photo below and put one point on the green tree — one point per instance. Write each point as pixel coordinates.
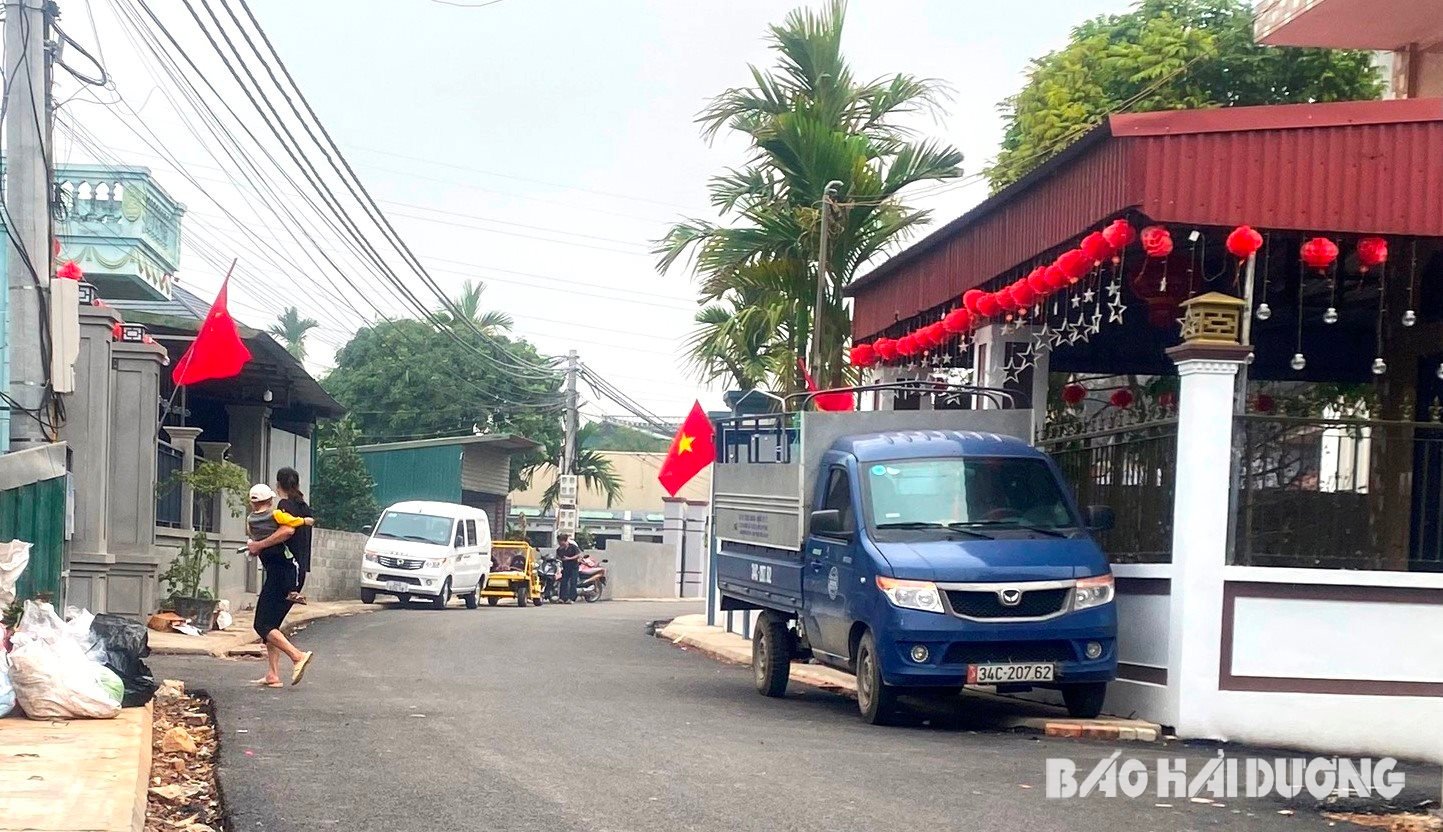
(468, 303)
(342, 489)
(608, 436)
(291, 329)
(404, 380)
(808, 121)
(593, 469)
(1164, 55)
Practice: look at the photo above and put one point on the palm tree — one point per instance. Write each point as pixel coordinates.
(468, 303)
(291, 329)
(809, 123)
(593, 470)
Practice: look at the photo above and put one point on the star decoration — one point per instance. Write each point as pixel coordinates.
(1076, 301)
(1088, 295)
(1115, 310)
(1058, 335)
(1096, 325)
(1114, 289)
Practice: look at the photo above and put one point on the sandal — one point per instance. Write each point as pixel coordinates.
(263, 683)
(300, 668)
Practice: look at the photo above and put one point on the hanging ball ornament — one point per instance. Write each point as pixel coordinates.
(1298, 362)
(1330, 316)
(1409, 318)
(1379, 366)
(1264, 312)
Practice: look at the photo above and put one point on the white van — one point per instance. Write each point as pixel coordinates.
(424, 549)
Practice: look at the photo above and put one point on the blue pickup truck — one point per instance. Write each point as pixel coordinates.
(921, 550)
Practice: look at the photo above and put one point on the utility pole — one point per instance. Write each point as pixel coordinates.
(27, 203)
(823, 277)
(566, 513)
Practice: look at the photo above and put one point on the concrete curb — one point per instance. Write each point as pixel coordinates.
(240, 640)
(692, 633)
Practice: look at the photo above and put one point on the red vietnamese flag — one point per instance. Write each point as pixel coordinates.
(692, 449)
(839, 401)
(218, 351)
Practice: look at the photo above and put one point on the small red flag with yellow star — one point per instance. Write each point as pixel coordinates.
(692, 449)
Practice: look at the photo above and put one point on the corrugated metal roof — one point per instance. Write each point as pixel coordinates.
(505, 441)
(1372, 167)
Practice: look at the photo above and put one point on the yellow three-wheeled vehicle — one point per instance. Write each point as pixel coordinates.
(513, 574)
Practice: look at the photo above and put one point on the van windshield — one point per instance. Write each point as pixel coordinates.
(422, 528)
(977, 494)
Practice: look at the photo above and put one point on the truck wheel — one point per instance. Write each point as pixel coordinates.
(1084, 701)
(523, 595)
(492, 600)
(368, 596)
(771, 655)
(877, 700)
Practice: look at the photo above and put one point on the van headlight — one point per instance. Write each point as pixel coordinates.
(911, 595)
(435, 563)
(1092, 592)
(372, 557)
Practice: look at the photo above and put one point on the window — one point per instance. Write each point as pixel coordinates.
(423, 528)
(460, 535)
(839, 497)
(977, 491)
(470, 532)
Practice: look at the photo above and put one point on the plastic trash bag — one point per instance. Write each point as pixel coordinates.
(223, 617)
(114, 688)
(7, 691)
(52, 676)
(120, 644)
(13, 557)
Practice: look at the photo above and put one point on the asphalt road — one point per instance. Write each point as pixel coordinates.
(571, 718)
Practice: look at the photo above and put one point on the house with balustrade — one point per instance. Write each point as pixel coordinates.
(127, 431)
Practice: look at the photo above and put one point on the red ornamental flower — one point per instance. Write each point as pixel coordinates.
(1037, 282)
(988, 306)
(1319, 253)
(1023, 294)
(1119, 235)
(1121, 398)
(1097, 248)
(1372, 252)
(1244, 242)
(1054, 277)
(863, 355)
(1073, 394)
(1156, 241)
(1074, 264)
(957, 321)
(70, 270)
(886, 348)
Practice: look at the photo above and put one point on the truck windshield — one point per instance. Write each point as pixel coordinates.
(422, 528)
(971, 493)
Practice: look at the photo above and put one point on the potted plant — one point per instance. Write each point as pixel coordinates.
(197, 557)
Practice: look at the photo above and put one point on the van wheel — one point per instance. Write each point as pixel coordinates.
(440, 601)
(523, 595)
(878, 701)
(492, 600)
(368, 596)
(771, 655)
(1084, 701)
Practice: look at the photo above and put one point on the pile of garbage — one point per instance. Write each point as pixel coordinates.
(82, 666)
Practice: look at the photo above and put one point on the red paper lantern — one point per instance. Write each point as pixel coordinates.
(970, 299)
(1097, 248)
(1119, 235)
(1244, 242)
(1074, 263)
(1037, 282)
(70, 270)
(936, 334)
(1054, 277)
(1121, 398)
(957, 321)
(116, 331)
(1007, 300)
(906, 346)
(1372, 252)
(1023, 294)
(886, 348)
(863, 355)
(1319, 253)
(988, 306)
(1073, 394)
(1156, 241)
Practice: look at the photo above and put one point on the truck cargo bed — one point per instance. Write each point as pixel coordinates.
(759, 576)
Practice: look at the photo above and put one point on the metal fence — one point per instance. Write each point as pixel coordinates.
(168, 463)
(1130, 467)
(1338, 493)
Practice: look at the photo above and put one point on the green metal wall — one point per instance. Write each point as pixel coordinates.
(36, 513)
(416, 474)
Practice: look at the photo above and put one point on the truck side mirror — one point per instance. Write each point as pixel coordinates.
(1100, 518)
(828, 522)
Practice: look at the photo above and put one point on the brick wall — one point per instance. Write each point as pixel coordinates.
(335, 566)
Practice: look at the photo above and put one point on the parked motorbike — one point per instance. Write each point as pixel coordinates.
(548, 571)
(591, 579)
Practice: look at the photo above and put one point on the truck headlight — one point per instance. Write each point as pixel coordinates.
(911, 595)
(1092, 592)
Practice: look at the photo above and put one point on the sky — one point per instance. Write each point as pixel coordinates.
(537, 145)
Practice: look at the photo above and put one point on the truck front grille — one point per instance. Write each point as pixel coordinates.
(399, 563)
(1035, 603)
(1008, 652)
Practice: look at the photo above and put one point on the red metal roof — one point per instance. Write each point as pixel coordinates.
(1367, 167)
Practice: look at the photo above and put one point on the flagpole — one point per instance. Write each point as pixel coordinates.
(188, 357)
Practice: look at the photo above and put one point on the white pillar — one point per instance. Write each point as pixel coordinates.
(992, 368)
(1200, 530)
(692, 570)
